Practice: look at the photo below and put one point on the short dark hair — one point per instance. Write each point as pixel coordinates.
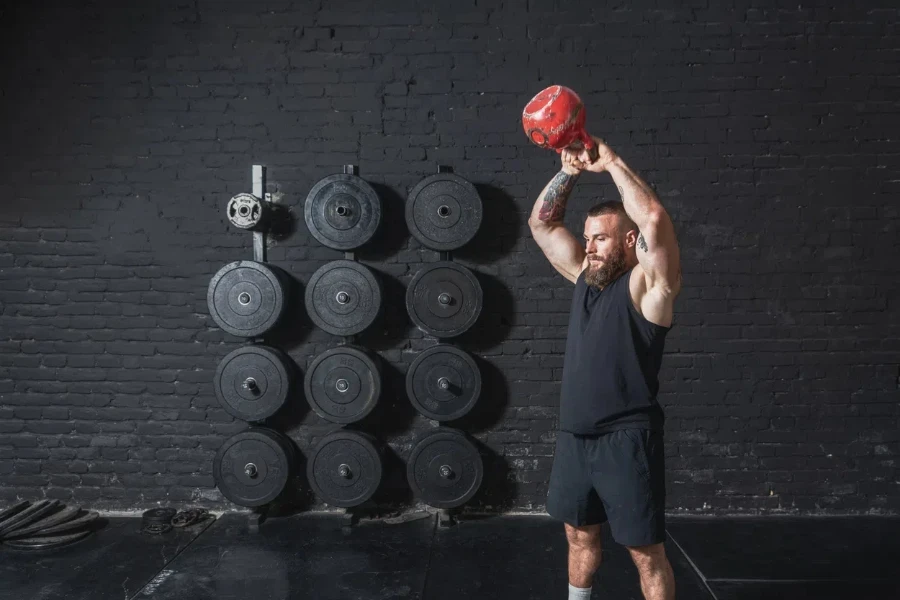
(613, 208)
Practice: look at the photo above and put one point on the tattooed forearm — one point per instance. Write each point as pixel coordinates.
(641, 242)
(558, 190)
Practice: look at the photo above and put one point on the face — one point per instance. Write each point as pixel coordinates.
(607, 250)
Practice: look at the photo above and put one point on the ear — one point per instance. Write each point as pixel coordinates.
(631, 237)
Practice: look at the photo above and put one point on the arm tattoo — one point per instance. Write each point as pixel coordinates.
(642, 243)
(554, 207)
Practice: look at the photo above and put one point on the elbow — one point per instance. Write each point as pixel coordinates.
(655, 218)
(536, 224)
(656, 221)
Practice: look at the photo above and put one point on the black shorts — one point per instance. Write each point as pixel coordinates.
(617, 477)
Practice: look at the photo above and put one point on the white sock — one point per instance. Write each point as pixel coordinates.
(576, 593)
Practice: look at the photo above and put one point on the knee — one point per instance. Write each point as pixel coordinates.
(583, 537)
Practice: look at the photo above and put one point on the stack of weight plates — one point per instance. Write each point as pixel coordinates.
(43, 525)
(444, 300)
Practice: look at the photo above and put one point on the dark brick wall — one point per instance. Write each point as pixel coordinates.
(769, 130)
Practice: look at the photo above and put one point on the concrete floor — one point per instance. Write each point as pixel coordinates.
(514, 557)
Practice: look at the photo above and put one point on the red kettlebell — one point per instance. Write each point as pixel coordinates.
(555, 119)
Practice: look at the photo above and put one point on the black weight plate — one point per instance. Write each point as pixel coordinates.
(345, 468)
(444, 299)
(12, 510)
(252, 383)
(70, 525)
(159, 515)
(445, 468)
(443, 383)
(29, 515)
(246, 298)
(343, 384)
(443, 211)
(61, 516)
(252, 468)
(343, 297)
(45, 543)
(342, 211)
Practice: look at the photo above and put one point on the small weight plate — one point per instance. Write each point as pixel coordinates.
(345, 468)
(254, 382)
(342, 211)
(156, 528)
(246, 211)
(443, 211)
(27, 516)
(445, 468)
(343, 384)
(159, 515)
(45, 543)
(12, 510)
(246, 298)
(444, 299)
(343, 297)
(61, 516)
(252, 468)
(443, 383)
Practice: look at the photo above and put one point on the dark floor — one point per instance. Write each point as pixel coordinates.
(516, 558)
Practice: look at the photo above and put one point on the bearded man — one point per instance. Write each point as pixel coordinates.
(609, 460)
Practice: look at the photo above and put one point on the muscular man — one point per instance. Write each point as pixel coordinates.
(608, 464)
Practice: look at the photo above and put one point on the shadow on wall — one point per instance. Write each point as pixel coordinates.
(391, 327)
(496, 317)
(283, 225)
(393, 415)
(499, 227)
(394, 491)
(295, 326)
(498, 490)
(492, 402)
(298, 495)
(296, 409)
(392, 234)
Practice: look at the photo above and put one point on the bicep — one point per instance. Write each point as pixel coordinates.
(658, 255)
(562, 250)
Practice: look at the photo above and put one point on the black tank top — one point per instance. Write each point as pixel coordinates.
(612, 362)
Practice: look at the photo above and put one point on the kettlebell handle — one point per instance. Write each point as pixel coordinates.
(586, 142)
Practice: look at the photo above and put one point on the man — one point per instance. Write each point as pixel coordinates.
(608, 464)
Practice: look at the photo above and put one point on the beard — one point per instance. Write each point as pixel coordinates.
(601, 275)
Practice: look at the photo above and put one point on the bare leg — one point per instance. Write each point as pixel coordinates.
(584, 554)
(657, 578)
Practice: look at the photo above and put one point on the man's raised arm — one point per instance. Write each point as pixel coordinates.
(560, 247)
